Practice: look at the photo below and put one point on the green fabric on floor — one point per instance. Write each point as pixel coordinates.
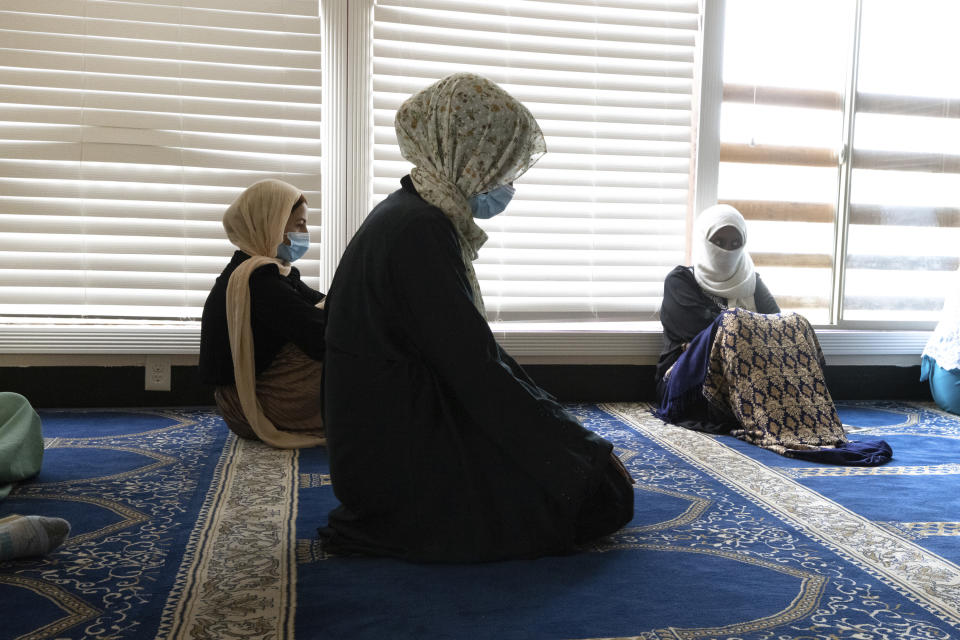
(21, 441)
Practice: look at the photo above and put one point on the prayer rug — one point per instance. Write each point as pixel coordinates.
(181, 530)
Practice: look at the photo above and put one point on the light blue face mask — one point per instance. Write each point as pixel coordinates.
(299, 243)
(486, 205)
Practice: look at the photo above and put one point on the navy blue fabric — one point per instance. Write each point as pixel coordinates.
(683, 394)
(856, 453)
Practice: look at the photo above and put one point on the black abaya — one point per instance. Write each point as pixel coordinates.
(441, 447)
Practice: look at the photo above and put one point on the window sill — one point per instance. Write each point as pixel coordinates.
(595, 342)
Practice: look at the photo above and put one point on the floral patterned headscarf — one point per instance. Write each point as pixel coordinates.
(465, 135)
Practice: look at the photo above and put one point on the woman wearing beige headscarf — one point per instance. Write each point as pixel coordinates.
(261, 339)
(441, 447)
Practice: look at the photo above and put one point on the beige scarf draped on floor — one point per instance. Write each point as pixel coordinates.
(464, 136)
(255, 224)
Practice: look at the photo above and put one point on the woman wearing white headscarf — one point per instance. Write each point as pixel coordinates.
(261, 337)
(722, 277)
(732, 363)
(940, 361)
(442, 449)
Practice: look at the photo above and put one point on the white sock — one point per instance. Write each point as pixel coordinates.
(23, 536)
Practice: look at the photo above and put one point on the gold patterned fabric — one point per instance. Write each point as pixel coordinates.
(767, 370)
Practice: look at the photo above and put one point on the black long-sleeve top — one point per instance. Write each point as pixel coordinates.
(687, 310)
(282, 309)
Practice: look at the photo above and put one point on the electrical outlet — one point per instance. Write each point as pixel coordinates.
(157, 373)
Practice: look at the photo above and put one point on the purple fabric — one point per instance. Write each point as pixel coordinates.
(684, 385)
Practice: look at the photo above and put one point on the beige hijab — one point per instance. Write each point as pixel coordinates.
(464, 136)
(255, 223)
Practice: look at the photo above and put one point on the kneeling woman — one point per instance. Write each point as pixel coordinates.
(732, 363)
(261, 336)
(442, 449)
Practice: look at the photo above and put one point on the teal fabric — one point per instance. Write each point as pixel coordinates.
(21, 441)
(944, 385)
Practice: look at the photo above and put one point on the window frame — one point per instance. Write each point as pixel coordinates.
(346, 27)
(847, 99)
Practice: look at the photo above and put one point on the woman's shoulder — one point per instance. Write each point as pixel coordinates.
(407, 215)
(268, 275)
(681, 273)
(270, 269)
(681, 285)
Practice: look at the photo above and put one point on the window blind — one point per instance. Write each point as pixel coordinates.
(600, 220)
(126, 128)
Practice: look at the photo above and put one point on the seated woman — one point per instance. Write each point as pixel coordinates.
(940, 362)
(722, 278)
(261, 335)
(442, 449)
(732, 363)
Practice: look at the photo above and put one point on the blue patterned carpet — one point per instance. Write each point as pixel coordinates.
(181, 531)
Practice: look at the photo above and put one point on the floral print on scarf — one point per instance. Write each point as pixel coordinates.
(465, 135)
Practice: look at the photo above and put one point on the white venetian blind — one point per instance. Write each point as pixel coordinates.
(598, 223)
(125, 130)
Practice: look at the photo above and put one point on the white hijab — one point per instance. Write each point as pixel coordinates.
(254, 224)
(725, 273)
(465, 135)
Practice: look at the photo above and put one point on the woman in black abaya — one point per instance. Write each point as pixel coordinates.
(442, 449)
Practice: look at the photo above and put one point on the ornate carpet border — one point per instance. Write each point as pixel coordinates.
(920, 575)
(238, 572)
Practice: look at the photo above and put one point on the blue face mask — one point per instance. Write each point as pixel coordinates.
(299, 243)
(486, 205)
